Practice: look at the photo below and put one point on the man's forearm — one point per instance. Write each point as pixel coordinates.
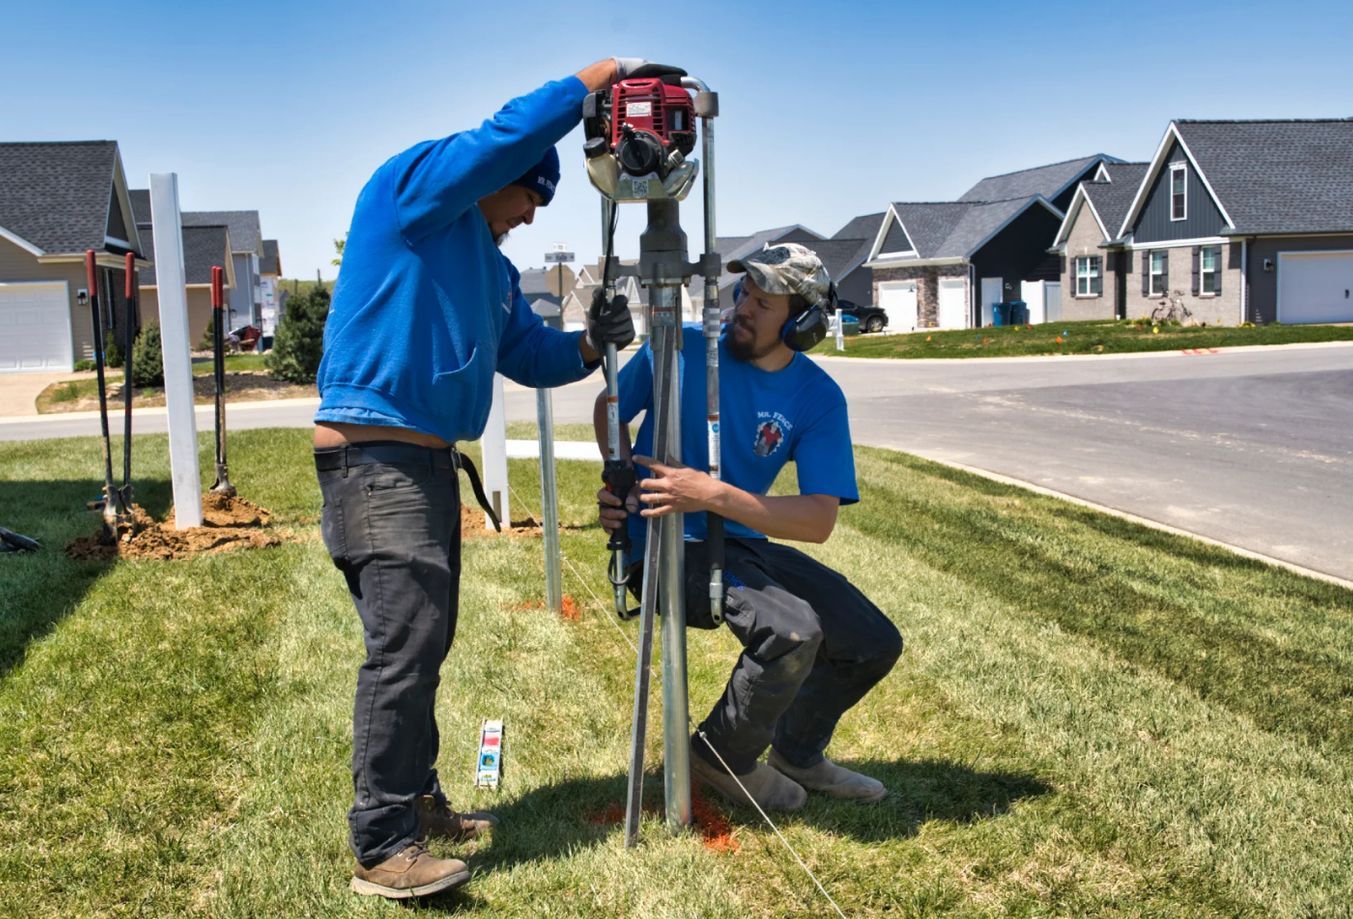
(804, 518)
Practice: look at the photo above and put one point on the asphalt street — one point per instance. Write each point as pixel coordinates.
(1251, 447)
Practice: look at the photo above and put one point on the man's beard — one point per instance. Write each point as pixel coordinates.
(501, 238)
(745, 349)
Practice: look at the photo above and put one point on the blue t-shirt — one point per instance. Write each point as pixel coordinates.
(766, 419)
(427, 308)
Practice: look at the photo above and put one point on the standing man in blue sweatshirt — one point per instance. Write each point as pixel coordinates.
(426, 309)
(813, 644)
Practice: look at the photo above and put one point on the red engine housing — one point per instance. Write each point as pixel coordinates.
(664, 110)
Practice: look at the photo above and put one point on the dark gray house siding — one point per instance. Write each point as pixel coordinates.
(1262, 302)
(1203, 219)
(1019, 252)
(858, 287)
(896, 240)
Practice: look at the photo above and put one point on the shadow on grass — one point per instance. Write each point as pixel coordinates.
(553, 821)
(38, 589)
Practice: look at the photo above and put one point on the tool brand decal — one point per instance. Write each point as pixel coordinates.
(770, 432)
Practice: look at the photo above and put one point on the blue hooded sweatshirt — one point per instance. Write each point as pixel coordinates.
(426, 307)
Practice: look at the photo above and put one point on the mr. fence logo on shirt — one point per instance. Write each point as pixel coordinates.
(770, 432)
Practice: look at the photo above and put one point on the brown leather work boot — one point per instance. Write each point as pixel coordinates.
(437, 819)
(410, 872)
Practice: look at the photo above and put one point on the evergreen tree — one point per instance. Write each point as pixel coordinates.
(112, 354)
(147, 358)
(299, 342)
(208, 342)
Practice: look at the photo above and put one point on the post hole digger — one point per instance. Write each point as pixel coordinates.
(222, 484)
(115, 504)
(639, 134)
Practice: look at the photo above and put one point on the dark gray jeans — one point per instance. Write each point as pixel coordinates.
(812, 646)
(391, 523)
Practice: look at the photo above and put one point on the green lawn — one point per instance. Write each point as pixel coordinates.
(1092, 337)
(1090, 719)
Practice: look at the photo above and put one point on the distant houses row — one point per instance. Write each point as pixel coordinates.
(58, 200)
(1238, 221)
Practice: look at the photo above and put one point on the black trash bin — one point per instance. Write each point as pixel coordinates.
(1018, 312)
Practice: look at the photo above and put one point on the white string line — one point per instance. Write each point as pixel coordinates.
(690, 721)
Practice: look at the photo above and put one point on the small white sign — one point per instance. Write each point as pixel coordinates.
(489, 765)
(639, 110)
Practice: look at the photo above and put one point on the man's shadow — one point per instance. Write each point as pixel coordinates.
(548, 823)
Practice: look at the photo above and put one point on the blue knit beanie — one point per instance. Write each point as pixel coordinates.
(543, 176)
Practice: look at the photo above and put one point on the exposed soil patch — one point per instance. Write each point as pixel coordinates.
(569, 611)
(472, 524)
(714, 829)
(227, 523)
(241, 386)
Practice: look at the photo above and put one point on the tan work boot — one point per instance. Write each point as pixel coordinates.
(438, 820)
(832, 780)
(410, 872)
(771, 790)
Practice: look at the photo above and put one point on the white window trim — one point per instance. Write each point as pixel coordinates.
(1203, 273)
(1152, 275)
(1088, 276)
(1182, 168)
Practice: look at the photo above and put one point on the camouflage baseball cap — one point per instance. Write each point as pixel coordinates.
(788, 268)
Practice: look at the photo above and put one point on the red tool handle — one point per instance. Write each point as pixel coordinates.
(131, 276)
(217, 280)
(89, 273)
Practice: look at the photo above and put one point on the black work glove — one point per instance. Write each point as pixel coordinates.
(634, 68)
(609, 323)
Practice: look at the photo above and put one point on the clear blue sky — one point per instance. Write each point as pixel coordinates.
(828, 110)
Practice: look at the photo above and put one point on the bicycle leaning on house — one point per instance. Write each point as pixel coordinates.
(1172, 309)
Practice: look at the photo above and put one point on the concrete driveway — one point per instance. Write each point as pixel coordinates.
(18, 391)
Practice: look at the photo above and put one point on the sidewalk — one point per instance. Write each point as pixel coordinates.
(19, 391)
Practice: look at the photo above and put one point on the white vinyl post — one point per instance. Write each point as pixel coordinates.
(494, 447)
(839, 326)
(176, 345)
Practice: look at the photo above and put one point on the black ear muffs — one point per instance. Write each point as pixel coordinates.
(802, 332)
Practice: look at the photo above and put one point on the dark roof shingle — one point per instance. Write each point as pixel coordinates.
(1047, 180)
(203, 247)
(55, 195)
(1113, 198)
(246, 235)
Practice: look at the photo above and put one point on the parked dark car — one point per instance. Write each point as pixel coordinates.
(870, 318)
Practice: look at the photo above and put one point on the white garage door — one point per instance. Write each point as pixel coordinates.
(34, 327)
(953, 305)
(1315, 287)
(898, 300)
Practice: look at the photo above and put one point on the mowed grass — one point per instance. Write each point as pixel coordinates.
(1090, 718)
(1086, 337)
(87, 385)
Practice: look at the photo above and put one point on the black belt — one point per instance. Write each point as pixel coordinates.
(394, 452)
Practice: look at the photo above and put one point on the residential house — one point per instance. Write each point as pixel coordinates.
(58, 200)
(204, 247)
(735, 247)
(1095, 263)
(946, 264)
(270, 280)
(850, 272)
(579, 299)
(1245, 221)
(245, 304)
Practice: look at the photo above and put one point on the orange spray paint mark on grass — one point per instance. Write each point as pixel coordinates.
(714, 829)
(570, 610)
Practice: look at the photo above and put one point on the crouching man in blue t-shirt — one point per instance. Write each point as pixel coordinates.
(813, 644)
(426, 309)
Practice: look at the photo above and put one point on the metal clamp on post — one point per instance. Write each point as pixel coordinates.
(640, 135)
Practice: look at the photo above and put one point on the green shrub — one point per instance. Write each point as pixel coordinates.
(112, 354)
(299, 342)
(85, 364)
(148, 358)
(208, 342)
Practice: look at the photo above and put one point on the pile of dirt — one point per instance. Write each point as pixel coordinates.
(472, 525)
(227, 523)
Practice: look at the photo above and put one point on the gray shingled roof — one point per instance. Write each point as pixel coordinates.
(535, 286)
(1277, 176)
(954, 229)
(841, 256)
(55, 195)
(203, 247)
(271, 263)
(140, 204)
(1113, 198)
(1047, 180)
(749, 244)
(863, 227)
(246, 235)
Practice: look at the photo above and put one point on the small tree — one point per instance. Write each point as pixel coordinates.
(148, 358)
(208, 342)
(299, 343)
(112, 354)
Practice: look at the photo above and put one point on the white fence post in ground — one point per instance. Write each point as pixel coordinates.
(176, 344)
(494, 447)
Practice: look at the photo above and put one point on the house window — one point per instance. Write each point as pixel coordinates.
(1089, 278)
(1209, 269)
(1159, 266)
(1179, 195)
